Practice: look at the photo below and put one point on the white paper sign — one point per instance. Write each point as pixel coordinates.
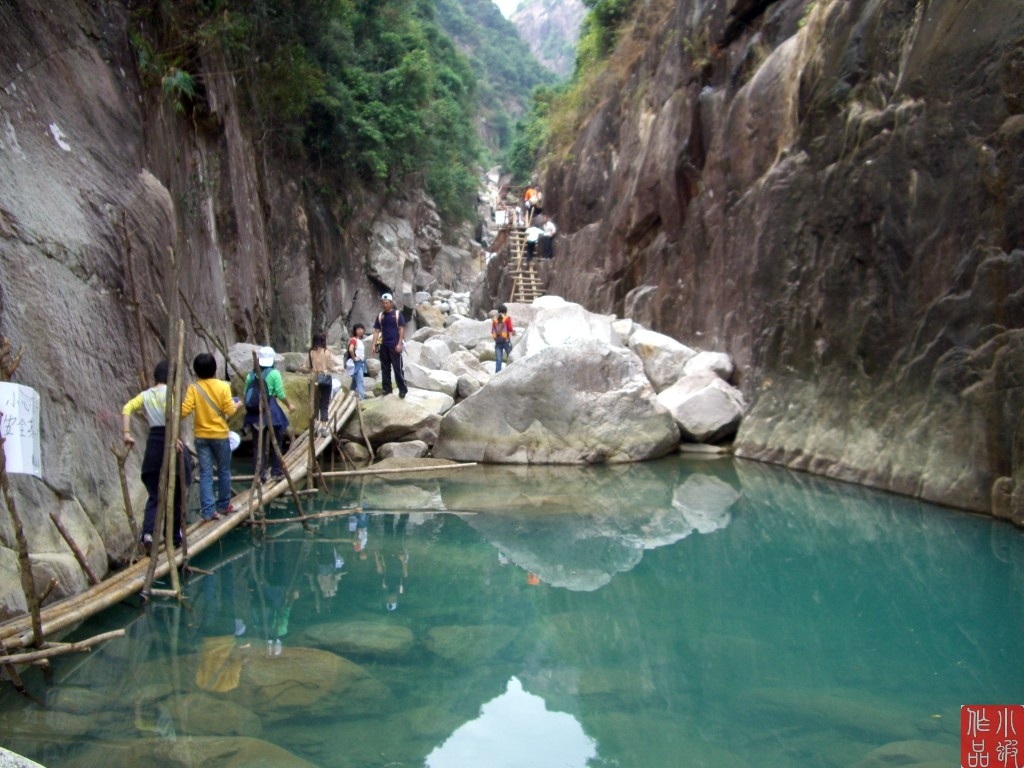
(19, 426)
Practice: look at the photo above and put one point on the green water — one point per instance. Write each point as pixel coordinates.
(675, 613)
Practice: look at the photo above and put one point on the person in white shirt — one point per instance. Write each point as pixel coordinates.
(548, 244)
(533, 236)
(357, 357)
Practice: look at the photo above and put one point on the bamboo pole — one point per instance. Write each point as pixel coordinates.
(175, 340)
(205, 332)
(265, 419)
(362, 431)
(314, 516)
(7, 369)
(79, 556)
(72, 610)
(59, 649)
(171, 451)
(183, 505)
(122, 457)
(399, 470)
(25, 565)
(314, 392)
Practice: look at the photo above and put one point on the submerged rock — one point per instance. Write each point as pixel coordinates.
(361, 638)
(469, 645)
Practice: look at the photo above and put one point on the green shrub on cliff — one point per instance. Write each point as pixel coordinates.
(367, 90)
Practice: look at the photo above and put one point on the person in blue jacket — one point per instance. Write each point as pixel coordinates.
(389, 341)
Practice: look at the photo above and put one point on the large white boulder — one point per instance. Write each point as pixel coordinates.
(469, 333)
(559, 323)
(705, 407)
(664, 358)
(393, 419)
(718, 362)
(587, 403)
(422, 377)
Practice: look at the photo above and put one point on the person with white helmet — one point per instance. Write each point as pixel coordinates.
(277, 420)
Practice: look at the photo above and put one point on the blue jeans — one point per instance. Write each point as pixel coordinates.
(501, 349)
(213, 451)
(358, 371)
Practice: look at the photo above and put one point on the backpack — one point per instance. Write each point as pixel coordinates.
(500, 328)
(252, 394)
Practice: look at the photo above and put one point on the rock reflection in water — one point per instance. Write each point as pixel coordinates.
(573, 530)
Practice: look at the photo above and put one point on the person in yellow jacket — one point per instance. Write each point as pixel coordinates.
(152, 403)
(211, 401)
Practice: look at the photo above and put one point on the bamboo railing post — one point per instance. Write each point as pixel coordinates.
(25, 565)
(265, 419)
(311, 452)
(362, 430)
(75, 549)
(173, 420)
(183, 506)
(7, 368)
(122, 457)
(257, 477)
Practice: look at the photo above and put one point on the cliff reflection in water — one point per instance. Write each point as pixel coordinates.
(810, 624)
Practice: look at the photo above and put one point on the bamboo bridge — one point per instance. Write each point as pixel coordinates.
(64, 614)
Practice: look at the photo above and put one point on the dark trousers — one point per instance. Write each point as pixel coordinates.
(548, 245)
(324, 398)
(259, 462)
(152, 482)
(531, 250)
(390, 360)
(152, 462)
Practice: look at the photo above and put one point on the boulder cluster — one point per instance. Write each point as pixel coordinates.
(580, 388)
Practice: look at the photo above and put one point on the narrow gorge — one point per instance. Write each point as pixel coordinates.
(830, 191)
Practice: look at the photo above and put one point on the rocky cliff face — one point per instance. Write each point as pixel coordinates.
(101, 181)
(551, 28)
(831, 191)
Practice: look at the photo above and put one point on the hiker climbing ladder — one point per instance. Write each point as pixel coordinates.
(526, 284)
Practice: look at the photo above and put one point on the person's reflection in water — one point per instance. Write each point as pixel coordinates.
(329, 570)
(278, 600)
(393, 563)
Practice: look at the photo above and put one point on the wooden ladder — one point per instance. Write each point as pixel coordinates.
(526, 284)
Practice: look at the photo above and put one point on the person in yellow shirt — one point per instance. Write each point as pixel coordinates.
(152, 403)
(211, 401)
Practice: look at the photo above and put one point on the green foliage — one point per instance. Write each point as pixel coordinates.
(178, 86)
(551, 125)
(531, 136)
(601, 27)
(357, 89)
(501, 63)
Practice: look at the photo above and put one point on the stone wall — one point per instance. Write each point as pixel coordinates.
(96, 162)
(831, 192)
